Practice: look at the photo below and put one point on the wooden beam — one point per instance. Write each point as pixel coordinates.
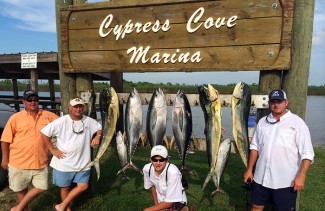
(67, 81)
(34, 79)
(268, 81)
(16, 94)
(295, 81)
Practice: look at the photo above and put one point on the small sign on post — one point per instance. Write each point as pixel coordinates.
(28, 60)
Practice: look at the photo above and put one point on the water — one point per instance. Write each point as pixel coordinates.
(315, 118)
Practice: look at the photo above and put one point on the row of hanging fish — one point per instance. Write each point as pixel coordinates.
(218, 150)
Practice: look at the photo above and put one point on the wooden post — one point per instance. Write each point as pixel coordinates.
(67, 81)
(83, 80)
(52, 92)
(34, 79)
(16, 94)
(268, 81)
(295, 81)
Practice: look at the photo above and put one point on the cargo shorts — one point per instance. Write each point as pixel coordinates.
(20, 179)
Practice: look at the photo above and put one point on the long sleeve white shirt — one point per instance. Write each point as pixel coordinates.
(281, 148)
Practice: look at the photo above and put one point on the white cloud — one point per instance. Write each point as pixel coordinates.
(31, 15)
(319, 24)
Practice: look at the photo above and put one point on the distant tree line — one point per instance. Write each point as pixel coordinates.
(147, 87)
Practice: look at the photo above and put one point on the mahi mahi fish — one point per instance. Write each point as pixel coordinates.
(240, 107)
(109, 129)
(222, 159)
(157, 118)
(133, 126)
(211, 106)
(104, 101)
(182, 124)
(121, 151)
(91, 104)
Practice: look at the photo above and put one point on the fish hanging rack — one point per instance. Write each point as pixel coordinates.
(258, 101)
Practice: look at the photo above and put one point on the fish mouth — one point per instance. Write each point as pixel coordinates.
(213, 94)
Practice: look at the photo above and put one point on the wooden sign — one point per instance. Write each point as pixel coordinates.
(165, 35)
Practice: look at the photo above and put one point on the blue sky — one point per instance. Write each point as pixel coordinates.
(29, 26)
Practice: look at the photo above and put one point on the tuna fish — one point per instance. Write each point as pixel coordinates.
(222, 159)
(157, 118)
(133, 126)
(240, 107)
(121, 151)
(211, 106)
(109, 128)
(182, 124)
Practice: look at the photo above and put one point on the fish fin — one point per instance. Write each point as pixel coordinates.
(136, 168)
(185, 169)
(218, 190)
(207, 179)
(126, 166)
(125, 177)
(181, 122)
(88, 165)
(142, 139)
(96, 165)
(172, 141)
(166, 142)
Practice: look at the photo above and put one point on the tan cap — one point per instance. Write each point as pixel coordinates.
(76, 101)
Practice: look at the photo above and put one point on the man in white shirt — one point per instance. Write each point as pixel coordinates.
(165, 182)
(282, 151)
(75, 134)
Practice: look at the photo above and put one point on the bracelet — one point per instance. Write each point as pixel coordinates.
(99, 135)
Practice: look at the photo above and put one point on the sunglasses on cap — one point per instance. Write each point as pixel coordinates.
(32, 100)
(160, 160)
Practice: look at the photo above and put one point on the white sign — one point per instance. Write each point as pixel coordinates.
(28, 60)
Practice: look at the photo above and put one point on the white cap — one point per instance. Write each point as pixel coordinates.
(76, 101)
(159, 150)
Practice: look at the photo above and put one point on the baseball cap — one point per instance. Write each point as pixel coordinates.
(277, 94)
(159, 150)
(76, 101)
(29, 93)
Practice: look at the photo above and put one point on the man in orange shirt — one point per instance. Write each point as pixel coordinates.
(24, 153)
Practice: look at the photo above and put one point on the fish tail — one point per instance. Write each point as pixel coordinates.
(128, 166)
(186, 169)
(135, 167)
(218, 190)
(96, 165)
(207, 179)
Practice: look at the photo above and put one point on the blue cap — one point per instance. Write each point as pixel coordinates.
(277, 94)
(29, 93)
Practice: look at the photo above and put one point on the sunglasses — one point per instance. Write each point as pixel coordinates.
(272, 123)
(32, 100)
(78, 132)
(160, 160)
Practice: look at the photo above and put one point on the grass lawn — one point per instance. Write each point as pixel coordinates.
(114, 193)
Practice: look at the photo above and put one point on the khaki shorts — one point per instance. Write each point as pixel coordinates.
(20, 179)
